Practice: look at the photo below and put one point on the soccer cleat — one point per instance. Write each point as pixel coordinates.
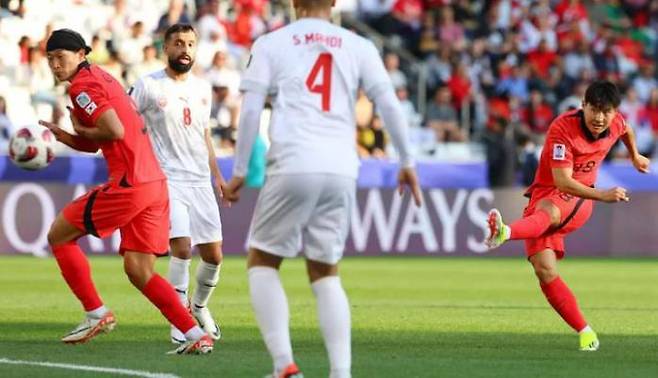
(589, 342)
(205, 320)
(202, 346)
(177, 337)
(291, 371)
(89, 328)
(497, 230)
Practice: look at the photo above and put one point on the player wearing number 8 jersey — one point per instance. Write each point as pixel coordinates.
(176, 108)
(312, 70)
(562, 194)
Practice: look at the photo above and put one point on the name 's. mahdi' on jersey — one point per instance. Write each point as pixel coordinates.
(313, 69)
(176, 114)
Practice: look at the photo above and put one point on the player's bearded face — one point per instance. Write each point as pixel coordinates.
(598, 119)
(181, 63)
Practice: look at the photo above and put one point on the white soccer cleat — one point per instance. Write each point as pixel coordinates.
(89, 328)
(202, 346)
(205, 320)
(497, 230)
(177, 337)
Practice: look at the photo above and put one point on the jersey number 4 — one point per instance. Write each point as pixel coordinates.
(323, 63)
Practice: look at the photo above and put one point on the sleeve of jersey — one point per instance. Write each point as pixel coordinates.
(257, 77)
(374, 78)
(139, 95)
(91, 100)
(559, 148)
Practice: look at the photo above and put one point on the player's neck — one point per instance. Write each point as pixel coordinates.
(321, 13)
(176, 76)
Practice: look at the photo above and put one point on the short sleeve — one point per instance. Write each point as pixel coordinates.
(258, 74)
(372, 74)
(139, 93)
(560, 150)
(89, 101)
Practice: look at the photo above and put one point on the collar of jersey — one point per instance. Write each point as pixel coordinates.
(581, 116)
(83, 64)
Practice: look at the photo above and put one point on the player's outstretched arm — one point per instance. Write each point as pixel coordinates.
(107, 127)
(74, 141)
(640, 162)
(252, 106)
(562, 177)
(396, 125)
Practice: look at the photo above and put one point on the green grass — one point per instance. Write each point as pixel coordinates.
(412, 317)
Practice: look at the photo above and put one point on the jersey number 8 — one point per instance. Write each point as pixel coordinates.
(323, 63)
(187, 116)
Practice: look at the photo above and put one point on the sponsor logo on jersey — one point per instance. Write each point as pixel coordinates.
(559, 152)
(89, 109)
(83, 100)
(162, 102)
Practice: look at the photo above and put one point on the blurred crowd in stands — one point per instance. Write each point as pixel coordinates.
(477, 79)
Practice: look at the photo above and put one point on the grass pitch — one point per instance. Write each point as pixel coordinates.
(412, 317)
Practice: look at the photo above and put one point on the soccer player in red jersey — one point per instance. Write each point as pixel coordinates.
(134, 200)
(562, 195)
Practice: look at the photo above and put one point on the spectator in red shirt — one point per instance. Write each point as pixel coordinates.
(460, 86)
(542, 59)
(538, 114)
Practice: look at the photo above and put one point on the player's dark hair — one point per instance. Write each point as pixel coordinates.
(603, 95)
(178, 28)
(310, 4)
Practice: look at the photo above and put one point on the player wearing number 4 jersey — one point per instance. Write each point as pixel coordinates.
(176, 107)
(562, 194)
(312, 70)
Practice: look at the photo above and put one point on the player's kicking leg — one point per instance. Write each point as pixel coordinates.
(333, 315)
(75, 269)
(207, 277)
(271, 308)
(140, 270)
(530, 226)
(559, 295)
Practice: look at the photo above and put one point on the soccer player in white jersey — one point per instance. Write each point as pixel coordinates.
(313, 70)
(176, 109)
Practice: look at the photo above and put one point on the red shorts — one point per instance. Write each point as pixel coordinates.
(574, 213)
(141, 213)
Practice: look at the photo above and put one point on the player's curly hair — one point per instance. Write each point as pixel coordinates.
(603, 95)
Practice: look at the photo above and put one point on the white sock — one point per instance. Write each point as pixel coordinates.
(195, 333)
(271, 308)
(334, 317)
(179, 277)
(97, 313)
(586, 329)
(207, 276)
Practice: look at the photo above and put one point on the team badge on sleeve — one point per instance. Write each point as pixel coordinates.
(83, 100)
(90, 108)
(559, 152)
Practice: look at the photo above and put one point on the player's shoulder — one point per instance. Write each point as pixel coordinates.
(567, 121)
(155, 76)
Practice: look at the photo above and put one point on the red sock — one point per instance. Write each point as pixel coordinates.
(561, 298)
(531, 226)
(162, 295)
(75, 268)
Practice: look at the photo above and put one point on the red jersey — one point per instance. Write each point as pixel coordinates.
(570, 144)
(129, 160)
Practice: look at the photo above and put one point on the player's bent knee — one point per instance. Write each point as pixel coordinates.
(138, 268)
(552, 210)
(211, 253)
(317, 270)
(545, 273)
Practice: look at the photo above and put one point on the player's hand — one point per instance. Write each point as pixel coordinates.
(615, 194)
(232, 189)
(56, 130)
(219, 184)
(407, 178)
(641, 163)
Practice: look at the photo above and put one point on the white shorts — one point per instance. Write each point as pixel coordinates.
(303, 211)
(194, 214)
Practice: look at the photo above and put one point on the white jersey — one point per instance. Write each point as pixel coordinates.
(176, 114)
(313, 69)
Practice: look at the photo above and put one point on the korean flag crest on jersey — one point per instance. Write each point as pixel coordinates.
(559, 152)
(84, 101)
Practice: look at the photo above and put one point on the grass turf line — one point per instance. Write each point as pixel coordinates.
(412, 317)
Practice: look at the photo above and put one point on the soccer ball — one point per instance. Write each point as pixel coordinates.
(31, 148)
